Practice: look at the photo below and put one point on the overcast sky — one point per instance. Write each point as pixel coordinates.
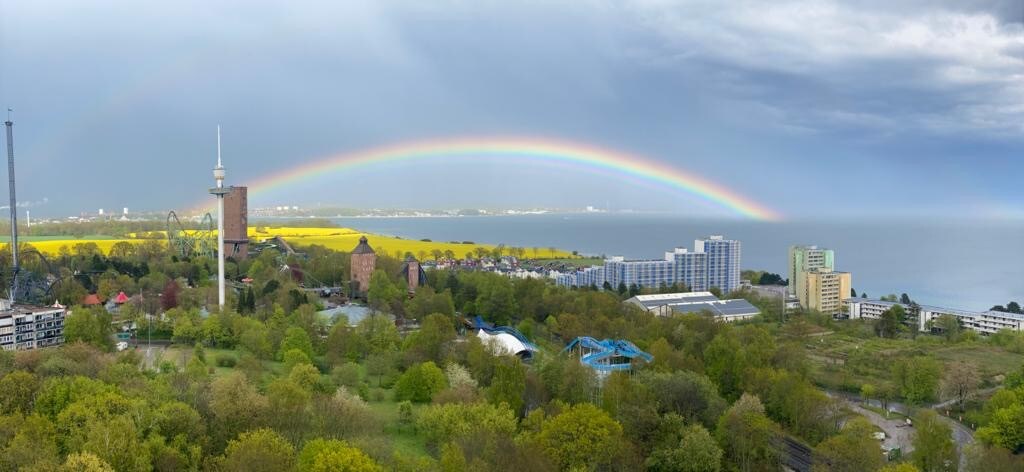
(814, 108)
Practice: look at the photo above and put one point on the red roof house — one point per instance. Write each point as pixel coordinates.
(121, 298)
(91, 299)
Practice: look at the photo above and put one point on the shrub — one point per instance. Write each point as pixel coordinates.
(420, 383)
(225, 360)
(346, 374)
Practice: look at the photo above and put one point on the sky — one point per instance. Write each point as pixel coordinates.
(816, 109)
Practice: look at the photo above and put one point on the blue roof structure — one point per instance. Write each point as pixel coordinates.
(607, 355)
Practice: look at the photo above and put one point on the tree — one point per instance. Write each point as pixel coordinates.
(328, 455)
(1005, 427)
(17, 392)
(85, 462)
(440, 424)
(29, 440)
(933, 445)
(169, 297)
(258, 450)
(583, 437)
(235, 405)
(420, 383)
(747, 436)
(917, 378)
(949, 325)
(380, 365)
(431, 341)
(724, 363)
(889, 323)
(905, 299)
(296, 338)
(496, 300)
(90, 325)
(868, 391)
(382, 292)
(852, 450)
(697, 451)
(508, 384)
(960, 382)
(980, 458)
(378, 335)
(690, 395)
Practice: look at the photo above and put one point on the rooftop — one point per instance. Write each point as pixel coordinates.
(363, 247)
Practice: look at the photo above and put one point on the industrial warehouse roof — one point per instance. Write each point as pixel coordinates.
(738, 307)
(695, 302)
(662, 299)
(363, 247)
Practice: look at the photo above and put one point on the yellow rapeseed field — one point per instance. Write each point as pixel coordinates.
(340, 239)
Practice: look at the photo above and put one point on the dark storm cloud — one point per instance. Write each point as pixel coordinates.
(758, 95)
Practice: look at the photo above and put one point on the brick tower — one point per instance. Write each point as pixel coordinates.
(413, 273)
(363, 262)
(236, 223)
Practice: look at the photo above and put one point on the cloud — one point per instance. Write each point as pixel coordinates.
(963, 70)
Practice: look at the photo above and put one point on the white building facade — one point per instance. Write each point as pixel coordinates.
(983, 322)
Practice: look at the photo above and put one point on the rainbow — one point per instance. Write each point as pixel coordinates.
(585, 157)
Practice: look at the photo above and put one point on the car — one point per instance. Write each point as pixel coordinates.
(122, 346)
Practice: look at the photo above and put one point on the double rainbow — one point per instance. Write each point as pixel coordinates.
(582, 156)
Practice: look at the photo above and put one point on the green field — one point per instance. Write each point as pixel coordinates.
(848, 359)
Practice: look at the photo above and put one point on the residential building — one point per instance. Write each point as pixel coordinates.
(723, 262)
(823, 290)
(805, 259)
(713, 262)
(983, 322)
(24, 327)
(667, 304)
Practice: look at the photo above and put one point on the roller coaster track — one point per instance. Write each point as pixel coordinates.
(187, 244)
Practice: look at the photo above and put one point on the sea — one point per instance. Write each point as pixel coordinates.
(966, 264)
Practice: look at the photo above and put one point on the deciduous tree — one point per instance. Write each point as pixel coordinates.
(934, 450)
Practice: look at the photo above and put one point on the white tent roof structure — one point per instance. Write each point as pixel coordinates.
(502, 343)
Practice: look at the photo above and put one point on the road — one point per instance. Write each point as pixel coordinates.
(897, 433)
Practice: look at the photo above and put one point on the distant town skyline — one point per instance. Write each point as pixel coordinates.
(813, 109)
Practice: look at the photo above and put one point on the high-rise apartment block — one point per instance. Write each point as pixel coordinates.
(814, 280)
(806, 259)
(713, 262)
(824, 290)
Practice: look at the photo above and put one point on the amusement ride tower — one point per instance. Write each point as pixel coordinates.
(219, 191)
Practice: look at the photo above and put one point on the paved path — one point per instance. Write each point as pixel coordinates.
(897, 433)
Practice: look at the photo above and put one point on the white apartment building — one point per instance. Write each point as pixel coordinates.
(984, 322)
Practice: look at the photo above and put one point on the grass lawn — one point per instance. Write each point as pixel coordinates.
(404, 437)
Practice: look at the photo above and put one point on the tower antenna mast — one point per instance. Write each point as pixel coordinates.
(14, 203)
(219, 191)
